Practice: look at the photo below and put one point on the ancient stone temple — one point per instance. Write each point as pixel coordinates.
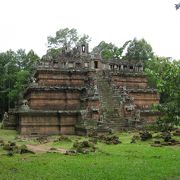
(78, 93)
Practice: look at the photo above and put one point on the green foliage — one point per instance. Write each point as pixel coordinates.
(20, 84)
(139, 50)
(165, 73)
(15, 69)
(109, 50)
(53, 53)
(84, 39)
(66, 38)
(105, 49)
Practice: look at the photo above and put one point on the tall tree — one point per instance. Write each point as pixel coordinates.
(15, 69)
(66, 38)
(109, 50)
(165, 73)
(139, 50)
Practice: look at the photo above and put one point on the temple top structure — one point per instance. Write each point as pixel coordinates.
(79, 58)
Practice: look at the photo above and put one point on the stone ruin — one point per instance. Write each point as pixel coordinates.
(80, 93)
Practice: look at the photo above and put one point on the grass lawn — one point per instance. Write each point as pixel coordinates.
(123, 161)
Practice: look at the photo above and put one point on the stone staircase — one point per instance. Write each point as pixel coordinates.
(111, 107)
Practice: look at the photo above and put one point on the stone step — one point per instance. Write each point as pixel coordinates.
(110, 103)
(116, 124)
(116, 127)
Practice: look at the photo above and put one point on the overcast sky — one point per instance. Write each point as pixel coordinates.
(27, 23)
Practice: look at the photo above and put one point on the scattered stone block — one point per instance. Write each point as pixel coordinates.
(10, 153)
(145, 135)
(133, 141)
(93, 140)
(70, 152)
(42, 139)
(156, 145)
(166, 136)
(164, 143)
(12, 143)
(177, 132)
(157, 142)
(23, 149)
(2, 142)
(109, 139)
(135, 138)
(62, 138)
(7, 147)
(84, 147)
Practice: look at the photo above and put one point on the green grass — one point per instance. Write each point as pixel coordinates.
(123, 161)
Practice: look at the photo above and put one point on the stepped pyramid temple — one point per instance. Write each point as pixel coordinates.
(79, 93)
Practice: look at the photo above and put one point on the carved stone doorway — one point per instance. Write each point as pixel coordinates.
(95, 64)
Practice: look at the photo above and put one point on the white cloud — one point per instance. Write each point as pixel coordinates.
(27, 23)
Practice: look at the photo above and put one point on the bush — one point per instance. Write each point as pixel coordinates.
(162, 125)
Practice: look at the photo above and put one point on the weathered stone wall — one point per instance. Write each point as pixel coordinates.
(60, 79)
(93, 103)
(37, 123)
(58, 90)
(136, 86)
(145, 100)
(65, 96)
(129, 80)
(68, 124)
(10, 122)
(149, 117)
(54, 100)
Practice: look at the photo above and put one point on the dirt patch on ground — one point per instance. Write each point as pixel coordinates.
(43, 149)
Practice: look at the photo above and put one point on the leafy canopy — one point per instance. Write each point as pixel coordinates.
(165, 73)
(109, 50)
(15, 69)
(67, 38)
(139, 50)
